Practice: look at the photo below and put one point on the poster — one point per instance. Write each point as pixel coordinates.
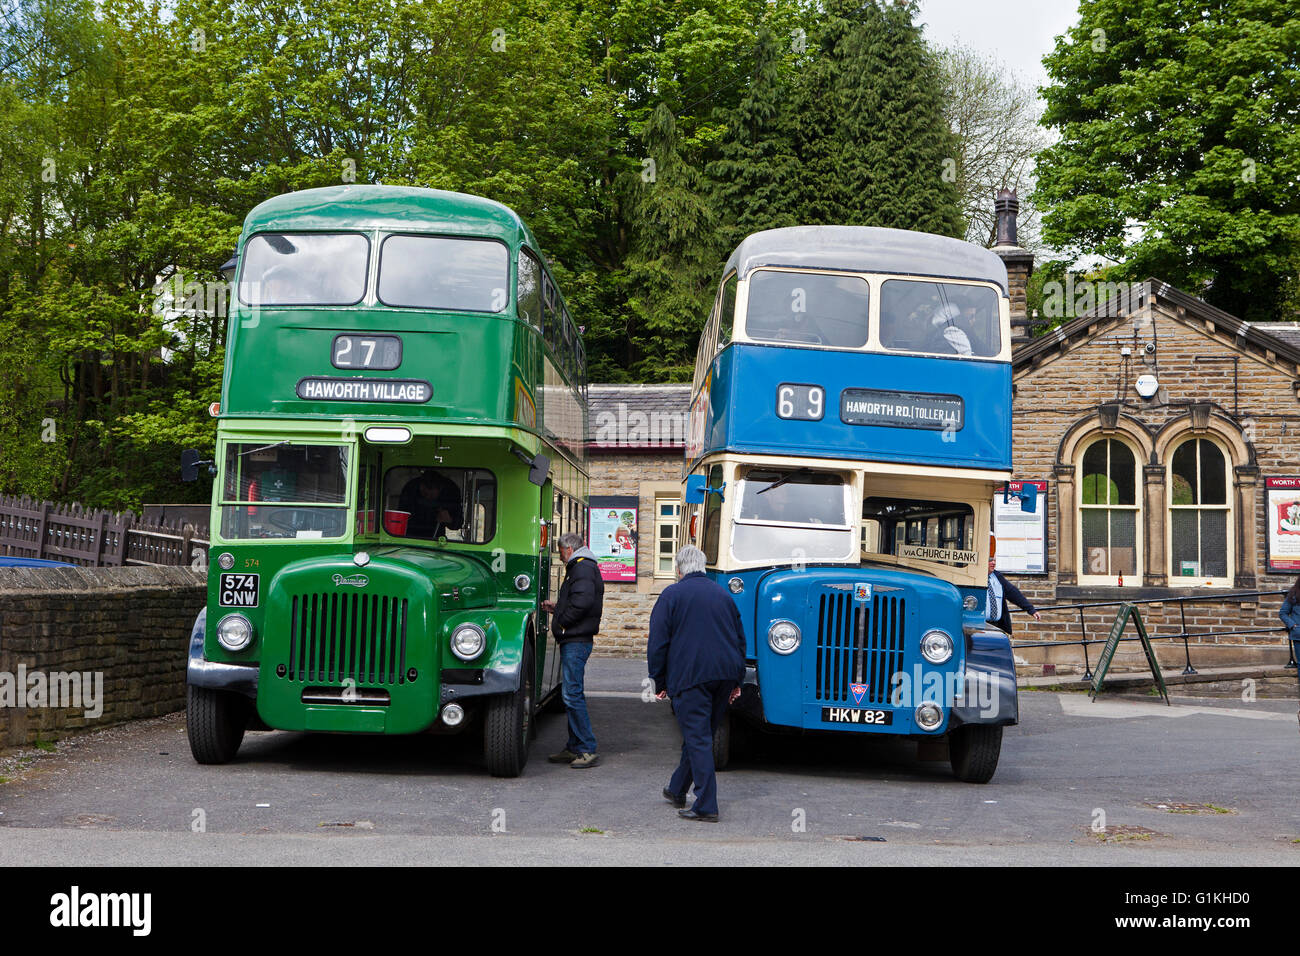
(1022, 536)
(1282, 515)
(612, 535)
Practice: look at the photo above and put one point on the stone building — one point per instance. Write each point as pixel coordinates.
(636, 450)
(1166, 432)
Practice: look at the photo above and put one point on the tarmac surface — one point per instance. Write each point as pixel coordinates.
(1120, 781)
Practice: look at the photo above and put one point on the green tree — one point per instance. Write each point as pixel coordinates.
(871, 133)
(1179, 150)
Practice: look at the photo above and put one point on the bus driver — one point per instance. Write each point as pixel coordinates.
(433, 501)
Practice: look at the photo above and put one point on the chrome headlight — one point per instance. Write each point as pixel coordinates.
(523, 582)
(234, 632)
(936, 647)
(468, 641)
(970, 602)
(928, 716)
(737, 585)
(783, 637)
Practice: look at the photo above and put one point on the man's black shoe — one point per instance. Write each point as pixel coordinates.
(676, 799)
(692, 815)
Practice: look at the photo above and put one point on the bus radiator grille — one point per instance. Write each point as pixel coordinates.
(858, 644)
(339, 637)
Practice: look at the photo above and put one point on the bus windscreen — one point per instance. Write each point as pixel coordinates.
(945, 318)
(807, 308)
(436, 272)
(316, 268)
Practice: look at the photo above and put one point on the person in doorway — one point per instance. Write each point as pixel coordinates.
(575, 622)
(1002, 593)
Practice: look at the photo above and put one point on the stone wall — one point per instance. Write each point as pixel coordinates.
(626, 619)
(1254, 417)
(120, 635)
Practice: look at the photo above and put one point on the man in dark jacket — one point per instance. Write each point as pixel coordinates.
(696, 655)
(574, 622)
(1002, 594)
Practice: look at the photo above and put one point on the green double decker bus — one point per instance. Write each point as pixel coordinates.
(400, 444)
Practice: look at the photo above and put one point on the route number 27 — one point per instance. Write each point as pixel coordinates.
(367, 351)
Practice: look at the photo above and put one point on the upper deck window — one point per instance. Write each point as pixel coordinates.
(941, 317)
(807, 308)
(436, 272)
(304, 268)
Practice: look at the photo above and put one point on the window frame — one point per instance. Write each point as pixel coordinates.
(660, 522)
(1228, 508)
(240, 280)
(382, 482)
(379, 273)
(1138, 508)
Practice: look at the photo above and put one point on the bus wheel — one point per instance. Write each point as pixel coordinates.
(973, 752)
(507, 724)
(722, 741)
(215, 722)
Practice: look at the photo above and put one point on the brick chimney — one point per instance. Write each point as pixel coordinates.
(1019, 263)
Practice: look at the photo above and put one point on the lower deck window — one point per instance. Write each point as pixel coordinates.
(791, 516)
(459, 504)
(942, 532)
(284, 490)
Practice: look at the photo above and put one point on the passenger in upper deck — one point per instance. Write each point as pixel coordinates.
(954, 336)
(434, 503)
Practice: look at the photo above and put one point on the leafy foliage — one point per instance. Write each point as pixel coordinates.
(1179, 154)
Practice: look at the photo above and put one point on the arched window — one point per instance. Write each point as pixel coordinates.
(1200, 515)
(1109, 512)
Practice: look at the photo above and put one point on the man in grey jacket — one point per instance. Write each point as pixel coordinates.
(575, 621)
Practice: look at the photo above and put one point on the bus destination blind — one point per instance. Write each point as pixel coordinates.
(869, 406)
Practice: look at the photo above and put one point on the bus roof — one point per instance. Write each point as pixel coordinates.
(390, 208)
(867, 249)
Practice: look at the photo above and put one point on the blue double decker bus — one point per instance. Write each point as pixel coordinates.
(850, 425)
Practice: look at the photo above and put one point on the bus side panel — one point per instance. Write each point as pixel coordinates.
(744, 412)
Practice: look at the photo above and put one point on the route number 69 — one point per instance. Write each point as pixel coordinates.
(802, 402)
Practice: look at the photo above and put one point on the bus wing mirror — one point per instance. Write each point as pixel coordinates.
(1028, 495)
(190, 465)
(697, 486)
(538, 469)
(1029, 498)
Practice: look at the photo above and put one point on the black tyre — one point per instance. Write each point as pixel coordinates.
(215, 722)
(508, 724)
(722, 742)
(973, 751)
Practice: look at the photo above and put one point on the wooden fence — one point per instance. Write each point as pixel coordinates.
(69, 533)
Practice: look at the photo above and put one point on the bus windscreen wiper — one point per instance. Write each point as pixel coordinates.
(781, 481)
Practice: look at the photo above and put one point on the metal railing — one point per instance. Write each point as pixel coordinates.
(1184, 635)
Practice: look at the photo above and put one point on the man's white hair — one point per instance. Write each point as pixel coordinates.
(689, 560)
(571, 540)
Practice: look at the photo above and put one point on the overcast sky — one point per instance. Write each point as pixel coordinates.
(1017, 32)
